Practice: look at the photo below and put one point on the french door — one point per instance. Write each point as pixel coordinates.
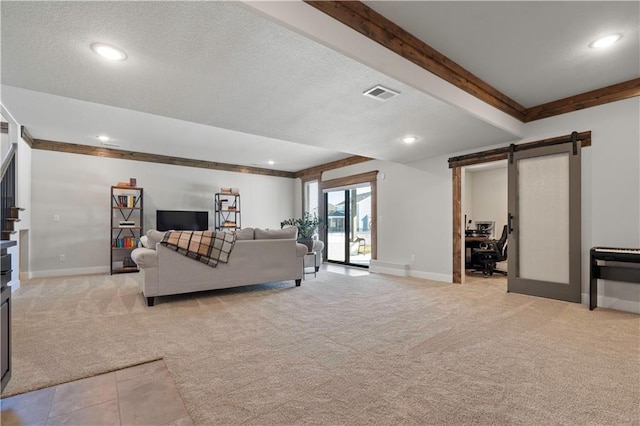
(348, 227)
(544, 222)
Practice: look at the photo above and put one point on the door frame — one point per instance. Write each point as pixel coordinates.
(456, 164)
(370, 178)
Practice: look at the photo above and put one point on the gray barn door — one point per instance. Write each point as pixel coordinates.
(544, 222)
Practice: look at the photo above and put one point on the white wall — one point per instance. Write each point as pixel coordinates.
(489, 197)
(467, 198)
(23, 199)
(414, 216)
(77, 188)
(23, 193)
(610, 186)
(415, 209)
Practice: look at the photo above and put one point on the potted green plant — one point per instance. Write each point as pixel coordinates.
(307, 227)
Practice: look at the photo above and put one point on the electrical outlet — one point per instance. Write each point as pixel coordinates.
(413, 257)
(62, 258)
(56, 218)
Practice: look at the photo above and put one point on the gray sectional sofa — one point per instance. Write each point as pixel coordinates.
(259, 256)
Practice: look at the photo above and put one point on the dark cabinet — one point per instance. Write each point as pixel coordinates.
(5, 313)
(5, 342)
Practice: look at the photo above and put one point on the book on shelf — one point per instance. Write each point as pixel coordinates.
(125, 242)
(127, 223)
(229, 191)
(126, 201)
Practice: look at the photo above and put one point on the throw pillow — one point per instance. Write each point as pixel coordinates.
(244, 234)
(276, 234)
(154, 237)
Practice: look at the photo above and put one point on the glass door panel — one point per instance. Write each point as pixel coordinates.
(336, 225)
(360, 226)
(311, 197)
(349, 226)
(543, 187)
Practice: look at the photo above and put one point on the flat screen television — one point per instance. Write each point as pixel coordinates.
(182, 220)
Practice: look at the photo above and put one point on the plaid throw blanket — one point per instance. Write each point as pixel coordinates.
(208, 247)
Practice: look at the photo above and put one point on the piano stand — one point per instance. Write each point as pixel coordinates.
(620, 271)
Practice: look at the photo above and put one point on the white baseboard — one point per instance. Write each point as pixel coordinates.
(404, 270)
(389, 268)
(68, 272)
(14, 285)
(445, 278)
(614, 303)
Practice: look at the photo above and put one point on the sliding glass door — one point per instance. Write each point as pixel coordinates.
(348, 230)
(336, 226)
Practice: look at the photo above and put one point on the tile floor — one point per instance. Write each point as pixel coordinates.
(142, 395)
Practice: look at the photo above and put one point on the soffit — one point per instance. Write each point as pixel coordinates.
(220, 65)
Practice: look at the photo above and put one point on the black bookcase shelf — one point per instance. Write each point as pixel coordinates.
(227, 211)
(126, 206)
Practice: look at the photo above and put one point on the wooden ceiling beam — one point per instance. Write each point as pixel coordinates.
(317, 170)
(121, 154)
(26, 136)
(368, 22)
(73, 148)
(371, 24)
(616, 92)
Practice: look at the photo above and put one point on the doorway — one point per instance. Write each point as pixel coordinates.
(348, 228)
(484, 207)
(527, 166)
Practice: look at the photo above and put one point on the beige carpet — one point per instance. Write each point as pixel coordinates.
(341, 350)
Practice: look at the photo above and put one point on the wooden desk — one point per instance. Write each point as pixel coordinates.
(475, 239)
(472, 242)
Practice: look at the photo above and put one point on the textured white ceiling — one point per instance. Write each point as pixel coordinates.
(69, 120)
(532, 51)
(218, 81)
(219, 64)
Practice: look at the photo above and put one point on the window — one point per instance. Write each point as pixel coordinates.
(311, 197)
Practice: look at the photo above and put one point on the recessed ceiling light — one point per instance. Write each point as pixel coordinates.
(607, 41)
(103, 138)
(109, 52)
(409, 139)
(271, 162)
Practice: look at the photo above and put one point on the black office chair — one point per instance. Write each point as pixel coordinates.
(490, 253)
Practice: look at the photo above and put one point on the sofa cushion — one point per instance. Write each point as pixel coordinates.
(244, 234)
(290, 233)
(154, 237)
(144, 242)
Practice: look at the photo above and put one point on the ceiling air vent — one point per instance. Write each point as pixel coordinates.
(380, 93)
